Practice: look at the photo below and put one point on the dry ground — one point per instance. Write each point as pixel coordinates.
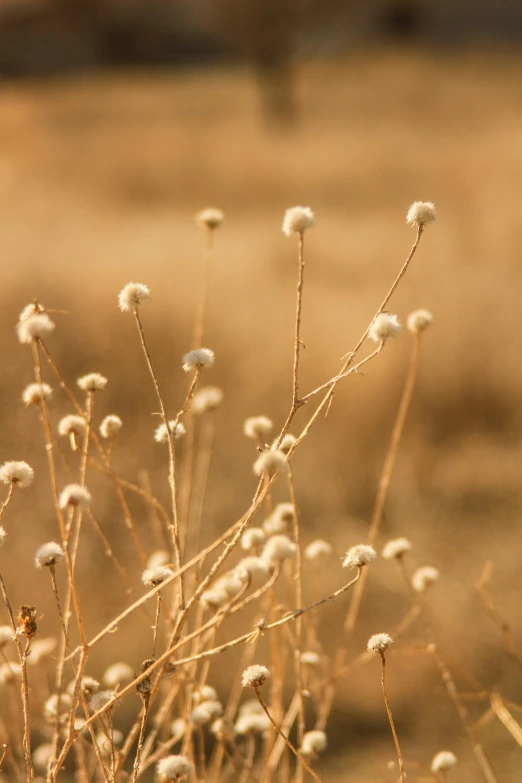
(99, 180)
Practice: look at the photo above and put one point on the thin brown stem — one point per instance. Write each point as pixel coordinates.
(297, 331)
(390, 718)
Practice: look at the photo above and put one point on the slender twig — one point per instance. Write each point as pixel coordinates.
(390, 718)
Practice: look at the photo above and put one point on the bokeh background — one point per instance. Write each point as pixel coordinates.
(118, 122)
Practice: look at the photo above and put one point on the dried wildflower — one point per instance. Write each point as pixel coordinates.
(424, 577)
(41, 648)
(210, 218)
(314, 742)
(209, 398)
(48, 554)
(443, 761)
(383, 326)
(254, 676)
(161, 435)
(152, 577)
(89, 686)
(118, 674)
(6, 635)
(92, 382)
(269, 462)
(158, 558)
(397, 547)
(360, 555)
(421, 213)
(286, 444)
(34, 327)
(132, 295)
(379, 642)
(318, 549)
(252, 568)
(252, 538)
(198, 359)
(57, 706)
(42, 754)
(175, 767)
(310, 658)
(110, 426)
(75, 496)
(278, 548)
(297, 220)
(223, 729)
(31, 309)
(144, 686)
(205, 693)
(73, 427)
(27, 625)
(35, 393)
(19, 473)
(257, 427)
(419, 320)
(10, 673)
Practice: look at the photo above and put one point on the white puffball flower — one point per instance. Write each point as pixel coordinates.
(252, 537)
(198, 359)
(48, 554)
(158, 558)
(223, 729)
(118, 674)
(419, 320)
(421, 213)
(286, 444)
(152, 577)
(208, 398)
(314, 742)
(10, 673)
(443, 761)
(317, 549)
(132, 295)
(383, 326)
(214, 598)
(297, 220)
(161, 435)
(257, 427)
(269, 462)
(19, 473)
(206, 712)
(205, 693)
(34, 327)
(72, 425)
(175, 767)
(278, 548)
(254, 676)
(211, 218)
(110, 426)
(424, 577)
(3, 535)
(310, 658)
(396, 547)
(51, 706)
(252, 568)
(360, 555)
(279, 519)
(76, 496)
(252, 723)
(40, 649)
(6, 635)
(106, 745)
(35, 393)
(379, 642)
(92, 382)
(101, 699)
(42, 754)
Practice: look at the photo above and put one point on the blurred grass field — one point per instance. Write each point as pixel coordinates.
(99, 180)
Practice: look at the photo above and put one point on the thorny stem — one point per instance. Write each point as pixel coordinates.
(390, 718)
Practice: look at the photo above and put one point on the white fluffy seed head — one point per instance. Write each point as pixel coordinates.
(269, 462)
(286, 444)
(10, 674)
(421, 213)
(158, 558)
(42, 754)
(118, 674)
(208, 398)
(252, 723)
(210, 218)
(198, 359)
(15, 472)
(110, 426)
(53, 706)
(379, 642)
(310, 658)
(360, 555)
(48, 554)
(254, 568)
(254, 676)
(161, 435)
(278, 548)
(396, 547)
(206, 712)
(318, 549)
(76, 496)
(424, 577)
(252, 538)
(205, 693)
(35, 393)
(3, 535)
(175, 767)
(443, 761)
(314, 742)
(223, 729)
(132, 295)
(280, 519)
(92, 382)
(101, 699)
(383, 326)
(41, 648)
(6, 635)
(419, 320)
(214, 598)
(257, 427)
(152, 577)
(34, 327)
(297, 220)
(72, 425)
